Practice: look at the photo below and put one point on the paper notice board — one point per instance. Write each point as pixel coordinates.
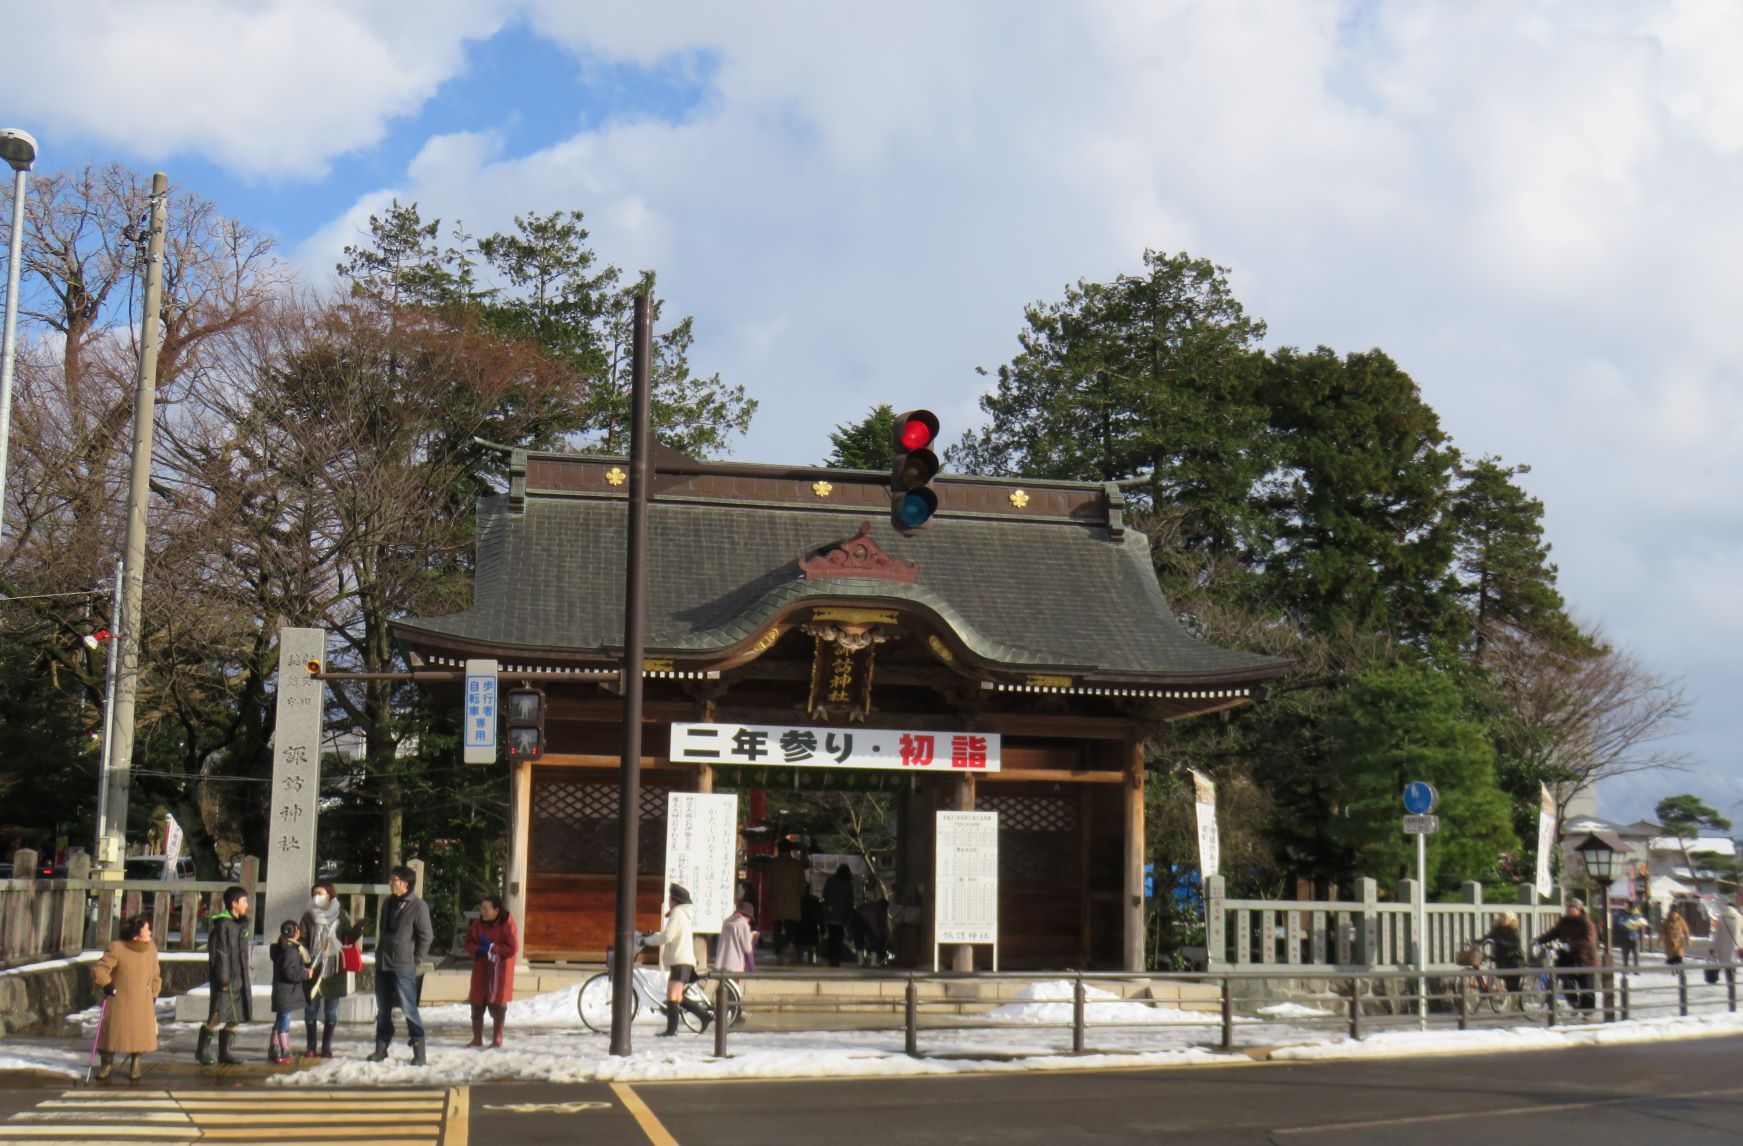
(966, 907)
(702, 855)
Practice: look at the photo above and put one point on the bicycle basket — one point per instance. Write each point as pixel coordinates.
(1471, 955)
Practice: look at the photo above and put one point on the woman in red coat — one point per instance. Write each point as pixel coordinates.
(493, 942)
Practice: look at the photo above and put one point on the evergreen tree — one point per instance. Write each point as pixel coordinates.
(1399, 724)
(1504, 575)
(1151, 375)
(1361, 540)
(866, 444)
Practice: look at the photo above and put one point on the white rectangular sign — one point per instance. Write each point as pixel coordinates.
(702, 855)
(1209, 846)
(1421, 825)
(968, 878)
(480, 736)
(895, 749)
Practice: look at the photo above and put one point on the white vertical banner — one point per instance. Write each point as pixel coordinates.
(1209, 846)
(172, 845)
(702, 855)
(1545, 840)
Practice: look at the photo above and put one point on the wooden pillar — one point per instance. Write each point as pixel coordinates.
(520, 808)
(962, 959)
(705, 778)
(1133, 897)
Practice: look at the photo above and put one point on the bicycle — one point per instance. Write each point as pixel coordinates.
(1485, 986)
(648, 995)
(1536, 991)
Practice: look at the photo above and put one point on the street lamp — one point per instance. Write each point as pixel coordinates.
(1599, 853)
(18, 149)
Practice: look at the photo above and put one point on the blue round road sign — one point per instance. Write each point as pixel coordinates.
(1420, 798)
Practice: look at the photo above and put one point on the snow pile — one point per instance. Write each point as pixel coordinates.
(52, 1060)
(1051, 1002)
(1293, 1011)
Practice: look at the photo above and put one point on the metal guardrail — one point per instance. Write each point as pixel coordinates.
(1615, 994)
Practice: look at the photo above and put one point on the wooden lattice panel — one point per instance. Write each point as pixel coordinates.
(574, 828)
(1038, 837)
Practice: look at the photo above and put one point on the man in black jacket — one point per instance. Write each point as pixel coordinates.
(403, 943)
(228, 977)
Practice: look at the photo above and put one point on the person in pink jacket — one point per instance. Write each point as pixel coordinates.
(737, 950)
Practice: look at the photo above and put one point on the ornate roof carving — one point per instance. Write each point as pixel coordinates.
(861, 557)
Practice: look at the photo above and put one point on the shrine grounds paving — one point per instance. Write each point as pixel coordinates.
(1658, 1093)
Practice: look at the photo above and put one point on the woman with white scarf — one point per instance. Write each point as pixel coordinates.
(326, 928)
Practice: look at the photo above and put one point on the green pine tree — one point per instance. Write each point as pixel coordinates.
(867, 444)
(1404, 723)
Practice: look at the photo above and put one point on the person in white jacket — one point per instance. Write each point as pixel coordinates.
(677, 944)
(1728, 938)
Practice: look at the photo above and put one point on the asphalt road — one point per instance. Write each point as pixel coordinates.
(1663, 1094)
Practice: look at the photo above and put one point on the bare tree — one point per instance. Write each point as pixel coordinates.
(1572, 718)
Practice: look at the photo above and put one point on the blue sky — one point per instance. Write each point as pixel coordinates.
(1531, 206)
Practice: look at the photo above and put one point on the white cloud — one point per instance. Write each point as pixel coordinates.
(1534, 211)
(275, 88)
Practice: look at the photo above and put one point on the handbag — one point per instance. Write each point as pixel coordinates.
(350, 957)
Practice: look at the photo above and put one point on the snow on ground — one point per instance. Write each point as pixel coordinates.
(1391, 1044)
(1051, 1002)
(54, 1060)
(93, 956)
(1293, 1011)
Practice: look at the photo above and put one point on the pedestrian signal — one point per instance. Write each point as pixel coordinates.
(526, 724)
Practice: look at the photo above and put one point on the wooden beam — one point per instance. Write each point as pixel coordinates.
(962, 959)
(1133, 899)
(1051, 776)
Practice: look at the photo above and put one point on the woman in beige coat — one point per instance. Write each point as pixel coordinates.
(129, 978)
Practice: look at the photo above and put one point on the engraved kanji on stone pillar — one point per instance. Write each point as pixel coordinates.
(296, 768)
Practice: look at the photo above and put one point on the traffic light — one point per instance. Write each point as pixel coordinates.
(912, 502)
(526, 724)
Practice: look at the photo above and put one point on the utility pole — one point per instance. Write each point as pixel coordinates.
(18, 149)
(623, 1003)
(118, 761)
(109, 675)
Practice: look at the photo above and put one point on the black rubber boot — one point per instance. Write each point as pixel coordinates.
(418, 1052)
(326, 1040)
(379, 1054)
(309, 1030)
(671, 1022)
(105, 1064)
(702, 1013)
(203, 1048)
(226, 1041)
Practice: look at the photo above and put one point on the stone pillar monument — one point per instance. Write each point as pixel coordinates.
(296, 776)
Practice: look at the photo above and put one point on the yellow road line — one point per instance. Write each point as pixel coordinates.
(651, 1126)
(457, 1130)
(324, 1118)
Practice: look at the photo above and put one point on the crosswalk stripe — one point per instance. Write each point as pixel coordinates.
(321, 1118)
(153, 1116)
(288, 1093)
(109, 1104)
(288, 1133)
(12, 1131)
(244, 1106)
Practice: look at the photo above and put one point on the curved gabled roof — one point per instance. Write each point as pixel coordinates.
(1032, 595)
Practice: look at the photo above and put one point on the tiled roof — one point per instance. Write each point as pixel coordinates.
(1023, 594)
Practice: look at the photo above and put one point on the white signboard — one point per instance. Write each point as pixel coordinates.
(1421, 825)
(480, 737)
(895, 749)
(1209, 847)
(702, 855)
(1545, 840)
(967, 906)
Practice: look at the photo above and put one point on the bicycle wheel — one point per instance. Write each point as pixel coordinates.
(594, 1003)
(702, 992)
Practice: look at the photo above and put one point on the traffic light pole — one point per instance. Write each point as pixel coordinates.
(634, 641)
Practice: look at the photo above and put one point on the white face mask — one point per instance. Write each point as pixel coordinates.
(319, 899)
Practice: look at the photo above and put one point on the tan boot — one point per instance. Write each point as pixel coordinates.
(134, 1068)
(105, 1064)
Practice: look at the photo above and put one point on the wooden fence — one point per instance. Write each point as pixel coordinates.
(45, 918)
(1359, 932)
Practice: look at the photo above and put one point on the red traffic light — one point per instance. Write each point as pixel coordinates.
(918, 430)
(912, 504)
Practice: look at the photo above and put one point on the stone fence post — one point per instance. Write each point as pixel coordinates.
(1368, 895)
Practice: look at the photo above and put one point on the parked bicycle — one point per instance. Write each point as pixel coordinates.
(648, 995)
(1485, 987)
(1536, 992)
